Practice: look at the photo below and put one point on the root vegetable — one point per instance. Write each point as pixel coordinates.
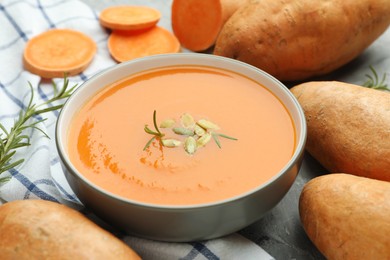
(348, 127)
(347, 217)
(296, 40)
(38, 229)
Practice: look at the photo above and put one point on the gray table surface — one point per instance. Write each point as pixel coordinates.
(280, 232)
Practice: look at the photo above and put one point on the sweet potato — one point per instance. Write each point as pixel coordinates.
(299, 39)
(197, 23)
(37, 229)
(348, 127)
(347, 217)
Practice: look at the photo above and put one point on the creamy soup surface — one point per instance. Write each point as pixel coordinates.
(107, 138)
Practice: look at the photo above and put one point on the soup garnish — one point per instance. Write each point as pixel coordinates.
(198, 133)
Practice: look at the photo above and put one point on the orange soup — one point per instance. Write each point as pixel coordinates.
(254, 140)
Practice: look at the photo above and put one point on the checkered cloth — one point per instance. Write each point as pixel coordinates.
(41, 175)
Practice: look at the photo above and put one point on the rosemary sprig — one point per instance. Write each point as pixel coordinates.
(11, 140)
(374, 83)
(216, 139)
(156, 133)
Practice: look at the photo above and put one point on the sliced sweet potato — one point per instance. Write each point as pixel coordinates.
(128, 17)
(197, 23)
(125, 45)
(57, 52)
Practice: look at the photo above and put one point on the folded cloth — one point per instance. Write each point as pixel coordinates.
(41, 175)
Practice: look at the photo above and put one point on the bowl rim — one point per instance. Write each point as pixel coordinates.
(299, 148)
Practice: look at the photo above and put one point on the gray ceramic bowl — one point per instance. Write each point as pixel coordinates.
(181, 223)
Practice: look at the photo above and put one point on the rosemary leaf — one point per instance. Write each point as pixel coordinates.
(374, 82)
(216, 140)
(41, 111)
(8, 156)
(4, 179)
(155, 122)
(149, 131)
(40, 130)
(21, 144)
(149, 142)
(12, 165)
(227, 137)
(4, 130)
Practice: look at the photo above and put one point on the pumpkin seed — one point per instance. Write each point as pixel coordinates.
(183, 131)
(167, 123)
(190, 145)
(199, 131)
(208, 125)
(203, 140)
(170, 143)
(187, 120)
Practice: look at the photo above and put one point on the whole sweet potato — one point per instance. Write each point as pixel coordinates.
(38, 229)
(348, 127)
(298, 39)
(347, 217)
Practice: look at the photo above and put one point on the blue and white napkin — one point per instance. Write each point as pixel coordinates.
(41, 175)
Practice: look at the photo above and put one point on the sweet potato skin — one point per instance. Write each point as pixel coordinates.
(348, 127)
(38, 229)
(347, 217)
(295, 40)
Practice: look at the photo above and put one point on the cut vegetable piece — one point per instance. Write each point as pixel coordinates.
(58, 51)
(125, 46)
(196, 23)
(129, 17)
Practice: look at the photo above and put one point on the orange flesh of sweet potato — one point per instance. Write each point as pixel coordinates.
(197, 23)
(58, 51)
(125, 45)
(129, 17)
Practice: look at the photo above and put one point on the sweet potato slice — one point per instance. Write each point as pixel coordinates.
(58, 51)
(125, 45)
(129, 17)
